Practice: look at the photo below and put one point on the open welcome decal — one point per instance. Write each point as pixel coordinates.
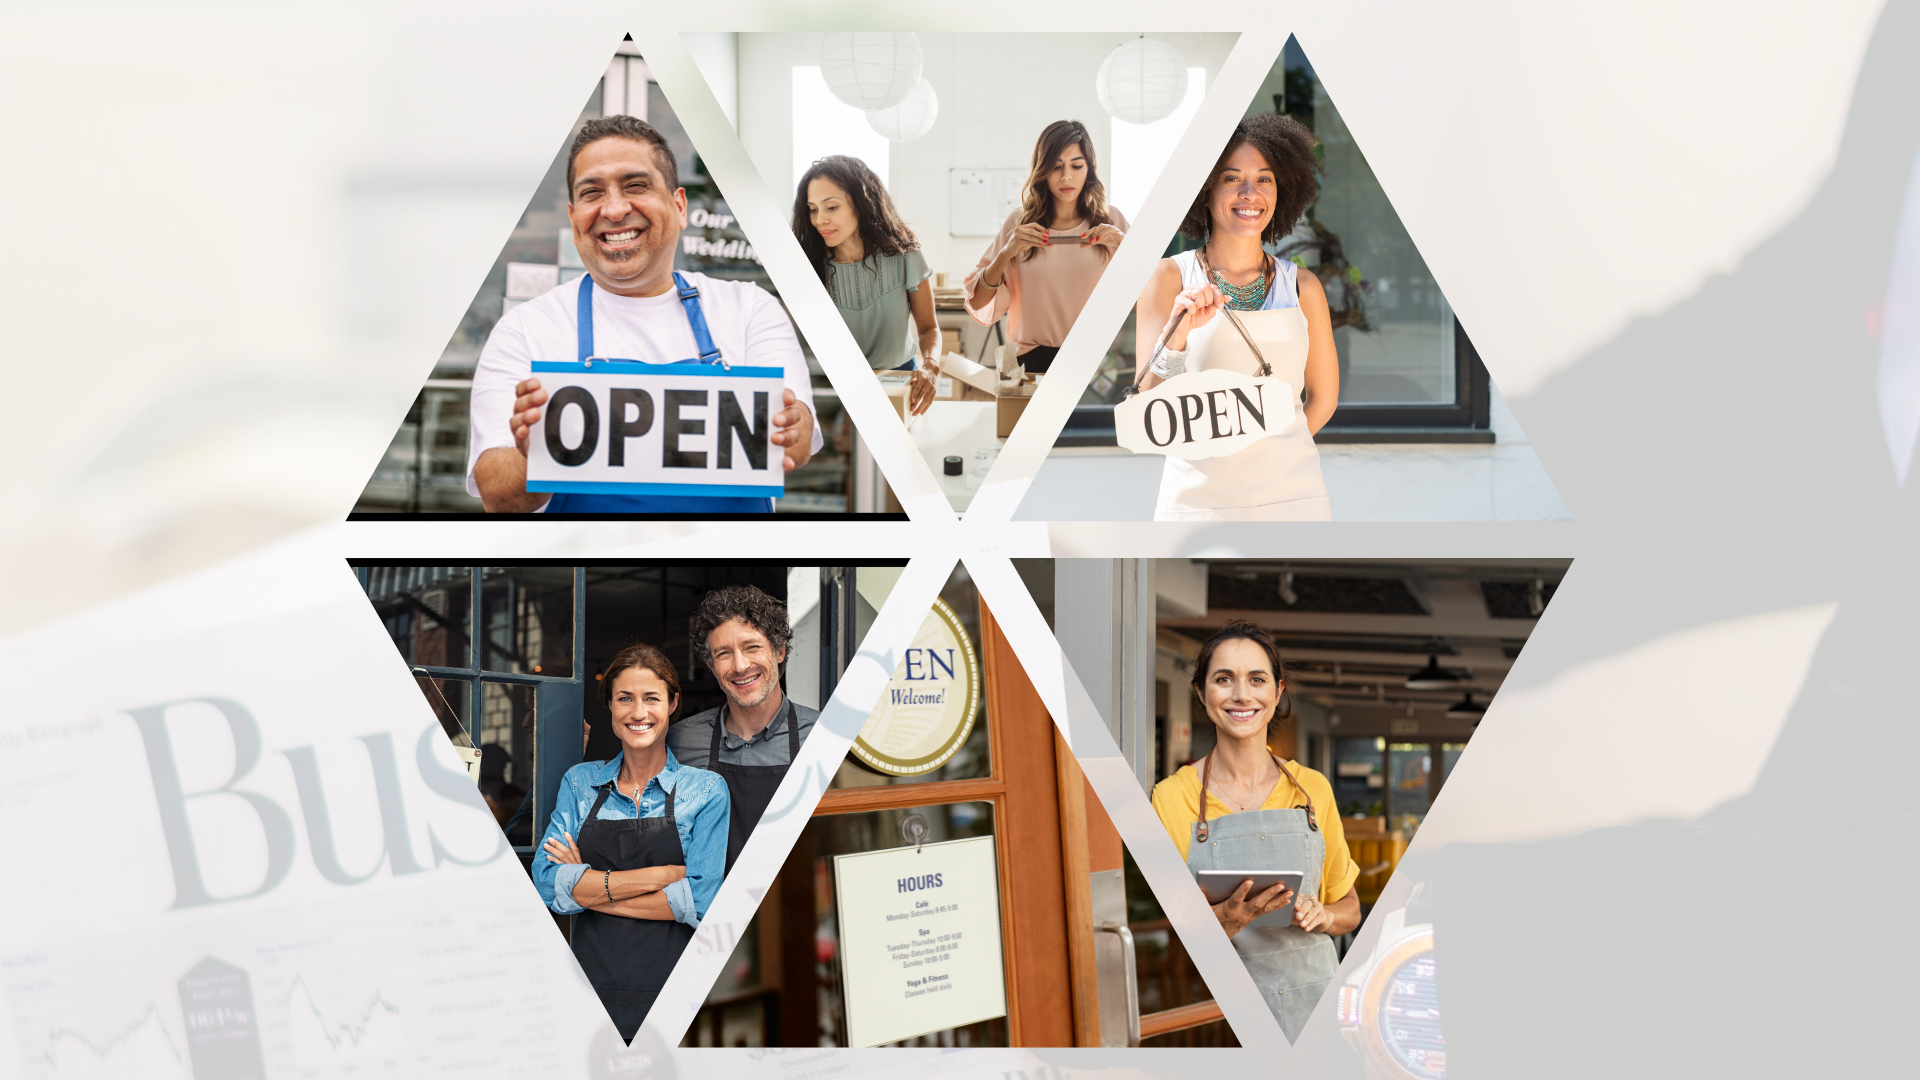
(1205, 414)
(621, 427)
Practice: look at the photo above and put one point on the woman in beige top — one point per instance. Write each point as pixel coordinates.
(1043, 264)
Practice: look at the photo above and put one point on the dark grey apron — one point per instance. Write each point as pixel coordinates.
(1291, 966)
(750, 787)
(628, 960)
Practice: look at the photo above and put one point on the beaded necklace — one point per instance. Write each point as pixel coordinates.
(1249, 297)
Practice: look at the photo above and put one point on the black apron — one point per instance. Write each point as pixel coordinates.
(749, 787)
(628, 960)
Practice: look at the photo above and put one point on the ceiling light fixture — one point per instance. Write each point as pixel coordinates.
(1466, 709)
(1287, 595)
(1536, 596)
(1433, 676)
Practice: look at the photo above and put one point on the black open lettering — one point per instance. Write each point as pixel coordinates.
(734, 422)
(1190, 410)
(675, 425)
(1216, 412)
(1173, 422)
(590, 434)
(1246, 406)
(619, 428)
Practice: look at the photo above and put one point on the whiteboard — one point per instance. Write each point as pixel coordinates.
(978, 200)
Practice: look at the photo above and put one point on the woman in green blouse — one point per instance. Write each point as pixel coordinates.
(871, 264)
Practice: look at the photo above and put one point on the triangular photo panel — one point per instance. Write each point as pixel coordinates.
(958, 884)
(686, 391)
(959, 197)
(628, 724)
(1315, 781)
(1326, 375)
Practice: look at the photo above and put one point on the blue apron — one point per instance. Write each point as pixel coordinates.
(563, 503)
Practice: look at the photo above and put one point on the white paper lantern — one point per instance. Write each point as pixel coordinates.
(1142, 81)
(871, 71)
(910, 119)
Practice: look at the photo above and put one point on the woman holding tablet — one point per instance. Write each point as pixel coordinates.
(870, 262)
(1245, 810)
(636, 846)
(1046, 259)
(1232, 305)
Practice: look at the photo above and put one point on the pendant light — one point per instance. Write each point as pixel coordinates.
(1433, 676)
(910, 119)
(1141, 81)
(1466, 709)
(871, 71)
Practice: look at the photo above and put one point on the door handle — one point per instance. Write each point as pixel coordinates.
(1132, 974)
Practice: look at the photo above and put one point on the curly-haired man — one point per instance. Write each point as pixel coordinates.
(741, 634)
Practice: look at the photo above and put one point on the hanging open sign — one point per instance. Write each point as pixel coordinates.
(621, 427)
(1205, 414)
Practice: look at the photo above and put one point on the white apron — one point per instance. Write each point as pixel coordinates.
(1277, 478)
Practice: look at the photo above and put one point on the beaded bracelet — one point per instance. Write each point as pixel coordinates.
(606, 884)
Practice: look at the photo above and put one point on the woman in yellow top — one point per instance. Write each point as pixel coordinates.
(1261, 813)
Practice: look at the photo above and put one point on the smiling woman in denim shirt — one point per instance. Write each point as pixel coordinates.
(636, 845)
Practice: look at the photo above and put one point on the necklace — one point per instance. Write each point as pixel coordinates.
(1249, 297)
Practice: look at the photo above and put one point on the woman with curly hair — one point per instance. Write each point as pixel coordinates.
(1232, 305)
(871, 264)
(1049, 254)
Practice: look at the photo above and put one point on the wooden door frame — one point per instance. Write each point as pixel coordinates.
(1024, 786)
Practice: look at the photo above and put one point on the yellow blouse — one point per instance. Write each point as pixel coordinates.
(1177, 800)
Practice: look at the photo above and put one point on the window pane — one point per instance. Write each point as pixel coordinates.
(971, 761)
(528, 615)
(1393, 328)
(424, 609)
(1359, 784)
(1408, 768)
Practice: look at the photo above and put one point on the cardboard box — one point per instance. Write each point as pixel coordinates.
(1008, 414)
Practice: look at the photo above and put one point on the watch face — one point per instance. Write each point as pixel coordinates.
(1409, 1018)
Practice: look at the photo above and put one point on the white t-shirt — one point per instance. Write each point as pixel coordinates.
(748, 326)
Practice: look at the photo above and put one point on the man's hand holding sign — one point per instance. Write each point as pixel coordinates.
(692, 396)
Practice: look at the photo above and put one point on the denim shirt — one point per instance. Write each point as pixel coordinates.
(700, 810)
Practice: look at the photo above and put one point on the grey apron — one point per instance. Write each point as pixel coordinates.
(1292, 967)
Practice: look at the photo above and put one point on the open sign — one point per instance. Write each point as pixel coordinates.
(1205, 414)
(621, 427)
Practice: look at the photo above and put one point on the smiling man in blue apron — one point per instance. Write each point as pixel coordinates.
(742, 635)
(627, 209)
